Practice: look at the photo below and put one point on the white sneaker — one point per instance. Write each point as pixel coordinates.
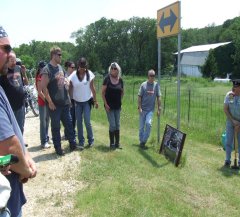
(91, 145)
(80, 147)
(46, 145)
(50, 141)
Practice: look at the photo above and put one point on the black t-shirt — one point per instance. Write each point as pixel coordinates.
(12, 83)
(113, 93)
(56, 86)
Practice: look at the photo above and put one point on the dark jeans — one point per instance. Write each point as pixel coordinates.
(62, 113)
(72, 112)
(20, 117)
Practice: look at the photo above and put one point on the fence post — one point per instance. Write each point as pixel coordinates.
(189, 104)
(164, 101)
(133, 90)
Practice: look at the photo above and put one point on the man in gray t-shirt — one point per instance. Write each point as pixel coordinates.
(148, 93)
(54, 86)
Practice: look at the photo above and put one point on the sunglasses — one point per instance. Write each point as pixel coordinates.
(59, 54)
(73, 67)
(152, 76)
(7, 48)
(114, 68)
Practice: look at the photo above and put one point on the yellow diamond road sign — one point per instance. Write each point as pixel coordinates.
(168, 20)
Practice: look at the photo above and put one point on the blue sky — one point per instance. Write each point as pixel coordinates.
(55, 20)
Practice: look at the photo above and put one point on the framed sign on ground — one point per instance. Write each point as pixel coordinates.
(172, 144)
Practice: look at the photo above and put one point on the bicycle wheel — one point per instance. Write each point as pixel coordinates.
(34, 106)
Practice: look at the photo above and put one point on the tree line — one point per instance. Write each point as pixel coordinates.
(133, 44)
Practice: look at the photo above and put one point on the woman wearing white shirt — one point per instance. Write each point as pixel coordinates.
(84, 95)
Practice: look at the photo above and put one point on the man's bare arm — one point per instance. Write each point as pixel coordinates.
(43, 88)
(12, 145)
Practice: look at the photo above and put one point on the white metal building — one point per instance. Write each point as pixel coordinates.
(194, 57)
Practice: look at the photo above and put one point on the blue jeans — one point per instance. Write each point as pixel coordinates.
(229, 140)
(20, 117)
(44, 123)
(83, 111)
(62, 113)
(5, 213)
(114, 119)
(145, 125)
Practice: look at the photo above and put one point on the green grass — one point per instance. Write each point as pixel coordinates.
(132, 182)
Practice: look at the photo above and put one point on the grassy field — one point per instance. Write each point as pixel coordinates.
(133, 182)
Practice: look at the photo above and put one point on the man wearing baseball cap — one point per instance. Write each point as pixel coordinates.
(232, 111)
(11, 141)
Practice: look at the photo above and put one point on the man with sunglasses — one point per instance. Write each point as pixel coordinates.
(11, 142)
(148, 93)
(54, 84)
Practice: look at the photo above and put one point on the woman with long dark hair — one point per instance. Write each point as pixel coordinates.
(84, 94)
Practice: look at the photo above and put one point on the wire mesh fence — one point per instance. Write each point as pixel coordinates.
(198, 111)
(195, 107)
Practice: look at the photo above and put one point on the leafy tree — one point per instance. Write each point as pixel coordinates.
(34, 52)
(133, 43)
(224, 58)
(210, 68)
(236, 59)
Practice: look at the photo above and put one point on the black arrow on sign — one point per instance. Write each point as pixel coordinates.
(168, 21)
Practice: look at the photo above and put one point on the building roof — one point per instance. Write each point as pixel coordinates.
(200, 48)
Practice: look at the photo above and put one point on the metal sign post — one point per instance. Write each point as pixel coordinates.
(179, 77)
(168, 24)
(159, 78)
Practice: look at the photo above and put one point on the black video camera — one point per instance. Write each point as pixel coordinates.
(18, 62)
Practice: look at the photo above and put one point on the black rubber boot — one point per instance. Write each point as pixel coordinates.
(116, 134)
(111, 138)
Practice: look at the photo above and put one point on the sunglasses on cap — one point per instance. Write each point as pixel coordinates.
(236, 83)
(7, 48)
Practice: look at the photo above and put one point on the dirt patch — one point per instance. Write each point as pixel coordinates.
(52, 192)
